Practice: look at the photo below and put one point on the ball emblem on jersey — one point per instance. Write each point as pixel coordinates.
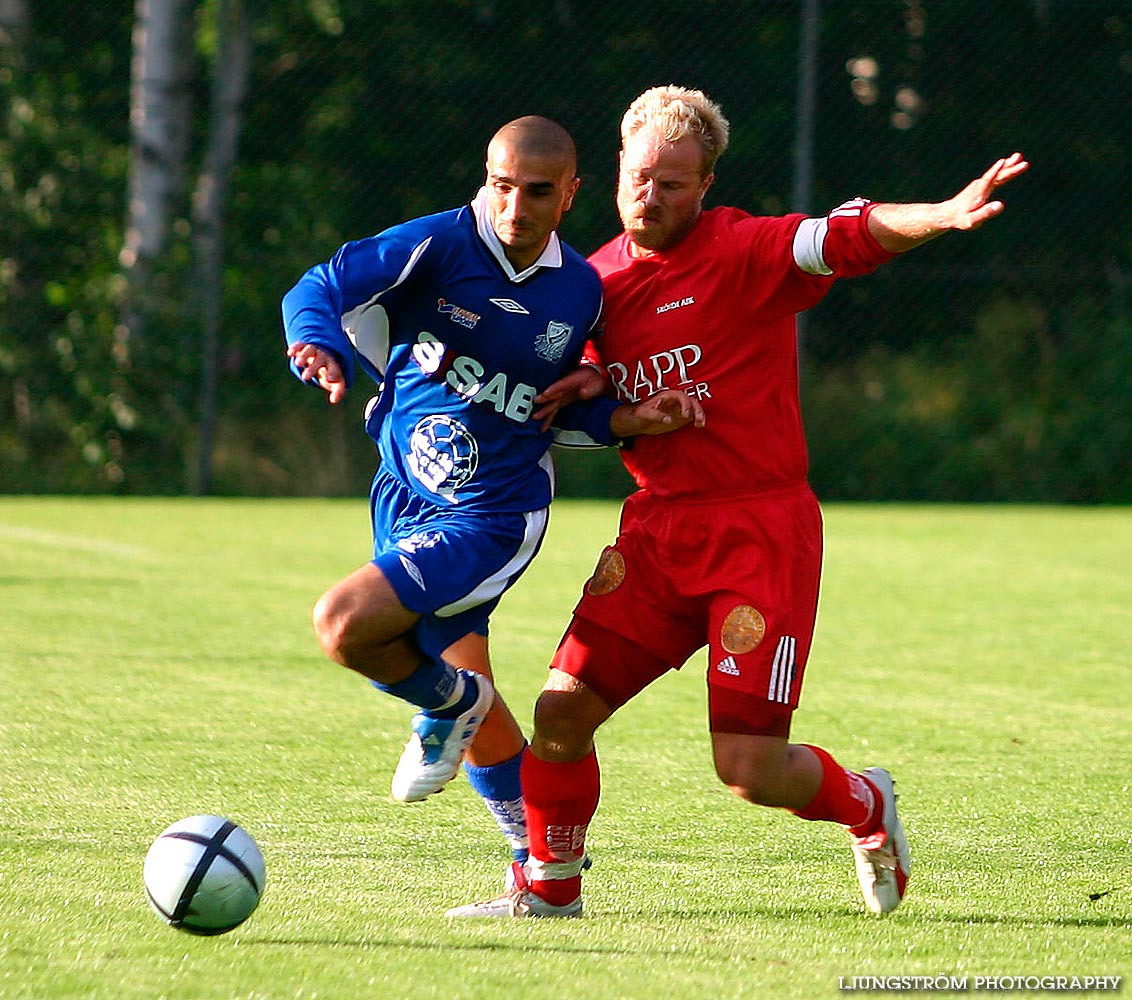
(204, 875)
(443, 455)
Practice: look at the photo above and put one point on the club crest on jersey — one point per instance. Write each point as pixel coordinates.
(551, 344)
(742, 630)
(465, 317)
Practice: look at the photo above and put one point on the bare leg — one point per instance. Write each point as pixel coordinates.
(500, 738)
(362, 624)
(766, 770)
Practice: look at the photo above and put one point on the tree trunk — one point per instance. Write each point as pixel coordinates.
(13, 24)
(160, 105)
(229, 87)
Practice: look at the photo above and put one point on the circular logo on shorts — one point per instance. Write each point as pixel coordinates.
(743, 629)
(609, 575)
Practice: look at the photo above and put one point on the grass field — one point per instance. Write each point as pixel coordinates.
(156, 661)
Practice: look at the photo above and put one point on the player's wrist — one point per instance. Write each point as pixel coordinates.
(599, 388)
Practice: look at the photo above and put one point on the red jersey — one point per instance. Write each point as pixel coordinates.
(715, 316)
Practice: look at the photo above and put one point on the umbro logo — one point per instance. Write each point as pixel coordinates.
(728, 666)
(510, 305)
(413, 572)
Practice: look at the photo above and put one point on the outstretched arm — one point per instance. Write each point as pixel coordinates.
(902, 227)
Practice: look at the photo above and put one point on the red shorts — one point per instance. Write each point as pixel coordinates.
(740, 577)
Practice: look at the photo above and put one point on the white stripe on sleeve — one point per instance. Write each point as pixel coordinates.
(367, 325)
(809, 243)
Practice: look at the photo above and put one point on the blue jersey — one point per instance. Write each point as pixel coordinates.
(461, 344)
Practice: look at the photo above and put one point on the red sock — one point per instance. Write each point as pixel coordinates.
(844, 797)
(559, 801)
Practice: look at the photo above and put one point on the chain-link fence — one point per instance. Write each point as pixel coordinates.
(995, 365)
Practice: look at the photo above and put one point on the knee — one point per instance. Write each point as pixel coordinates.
(563, 732)
(336, 628)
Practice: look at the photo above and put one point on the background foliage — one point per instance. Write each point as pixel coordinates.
(994, 366)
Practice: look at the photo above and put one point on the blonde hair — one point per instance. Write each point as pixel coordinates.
(677, 112)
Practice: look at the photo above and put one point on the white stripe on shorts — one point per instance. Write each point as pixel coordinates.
(782, 671)
(494, 585)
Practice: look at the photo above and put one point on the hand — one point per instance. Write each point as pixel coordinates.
(899, 228)
(971, 207)
(584, 382)
(668, 410)
(319, 366)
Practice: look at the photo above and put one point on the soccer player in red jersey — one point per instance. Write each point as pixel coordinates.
(721, 545)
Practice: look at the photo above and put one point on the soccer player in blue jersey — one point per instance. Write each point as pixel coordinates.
(462, 318)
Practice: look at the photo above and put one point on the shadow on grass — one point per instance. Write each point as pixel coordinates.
(381, 944)
(906, 915)
(668, 917)
(1023, 921)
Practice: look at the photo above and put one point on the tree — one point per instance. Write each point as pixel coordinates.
(13, 24)
(160, 105)
(232, 61)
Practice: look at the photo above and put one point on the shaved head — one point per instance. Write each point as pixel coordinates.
(535, 136)
(531, 178)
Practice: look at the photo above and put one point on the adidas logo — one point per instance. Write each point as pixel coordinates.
(728, 666)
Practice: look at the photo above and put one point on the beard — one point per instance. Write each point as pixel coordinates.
(651, 233)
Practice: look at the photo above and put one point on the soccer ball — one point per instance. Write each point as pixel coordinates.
(204, 875)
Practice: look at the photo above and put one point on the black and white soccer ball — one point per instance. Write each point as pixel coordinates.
(204, 875)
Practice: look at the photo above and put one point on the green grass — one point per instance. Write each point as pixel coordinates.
(156, 660)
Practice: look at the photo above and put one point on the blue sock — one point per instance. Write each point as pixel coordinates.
(498, 785)
(435, 686)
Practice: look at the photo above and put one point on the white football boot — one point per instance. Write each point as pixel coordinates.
(883, 859)
(520, 901)
(432, 756)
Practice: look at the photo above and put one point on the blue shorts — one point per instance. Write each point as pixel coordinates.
(448, 565)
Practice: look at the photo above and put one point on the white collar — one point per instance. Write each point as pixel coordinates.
(550, 257)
